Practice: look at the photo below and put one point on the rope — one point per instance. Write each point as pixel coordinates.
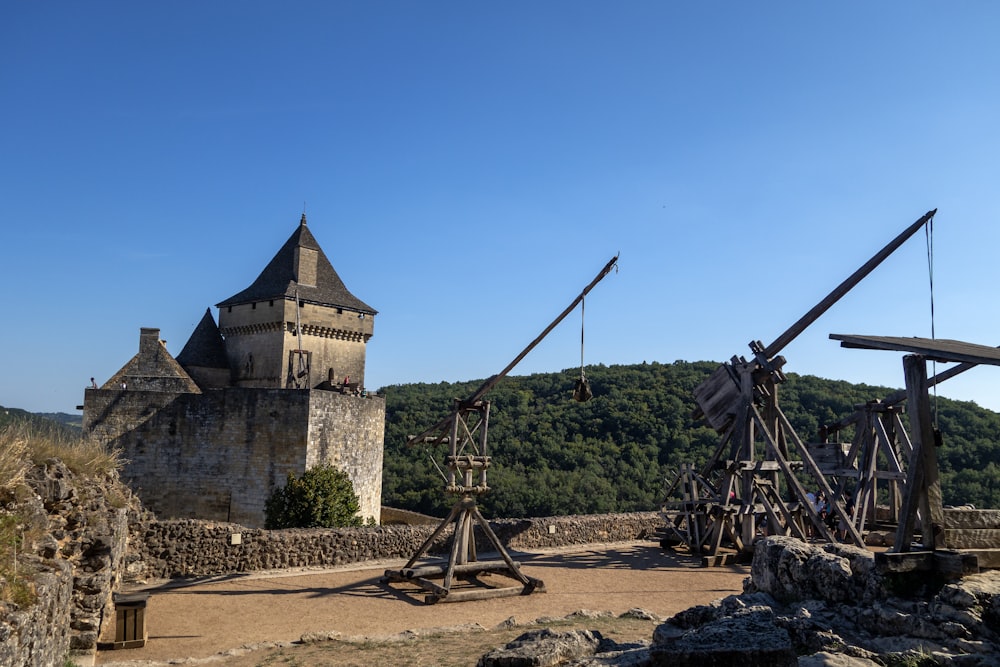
(929, 239)
(434, 461)
(583, 311)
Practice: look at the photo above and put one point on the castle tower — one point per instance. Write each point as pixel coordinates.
(297, 325)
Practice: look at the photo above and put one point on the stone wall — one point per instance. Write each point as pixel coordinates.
(348, 432)
(260, 335)
(40, 636)
(188, 548)
(218, 455)
(77, 533)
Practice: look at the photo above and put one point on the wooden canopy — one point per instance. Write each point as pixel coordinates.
(935, 349)
(923, 486)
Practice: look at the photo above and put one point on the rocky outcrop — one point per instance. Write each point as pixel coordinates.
(539, 648)
(39, 636)
(821, 605)
(545, 647)
(76, 540)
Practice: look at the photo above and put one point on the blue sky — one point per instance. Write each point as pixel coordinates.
(469, 167)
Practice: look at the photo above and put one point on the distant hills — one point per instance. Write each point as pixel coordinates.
(41, 419)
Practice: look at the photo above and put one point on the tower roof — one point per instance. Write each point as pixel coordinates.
(205, 347)
(281, 277)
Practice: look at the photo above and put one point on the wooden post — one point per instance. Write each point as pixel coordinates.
(923, 485)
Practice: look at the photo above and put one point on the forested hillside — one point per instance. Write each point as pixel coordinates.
(553, 456)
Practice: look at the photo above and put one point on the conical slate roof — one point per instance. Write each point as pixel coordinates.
(205, 347)
(278, 280)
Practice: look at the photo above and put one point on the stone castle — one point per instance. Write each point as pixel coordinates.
(275, 388)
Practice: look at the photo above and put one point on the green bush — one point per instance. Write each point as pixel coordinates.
(323, 497)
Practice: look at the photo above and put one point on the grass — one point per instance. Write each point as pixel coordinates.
(16, 574)
(82, 455)
(14, 459)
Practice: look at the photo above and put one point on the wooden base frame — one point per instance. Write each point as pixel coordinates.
(463, 564)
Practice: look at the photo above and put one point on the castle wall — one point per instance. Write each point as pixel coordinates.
(265, 333)
(248, 357)
(348, 432)
(218, 455)
(346, 358)
(109, 414)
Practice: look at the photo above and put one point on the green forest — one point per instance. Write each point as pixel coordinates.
(615, 453)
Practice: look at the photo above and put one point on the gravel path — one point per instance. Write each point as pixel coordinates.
(208, 617)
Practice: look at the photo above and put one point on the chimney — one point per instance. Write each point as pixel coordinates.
(149, 345)
(149, 340)
(305, 266)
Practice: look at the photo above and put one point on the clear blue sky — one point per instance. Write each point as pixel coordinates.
(469, 167)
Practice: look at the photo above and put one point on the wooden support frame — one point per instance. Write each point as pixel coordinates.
(922, 498)
(764, 479)
(923, 484)
(740, 400)
(467, 462)
(469, 418)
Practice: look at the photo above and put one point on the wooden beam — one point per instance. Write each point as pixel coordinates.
(935, 349)
(923, 485)
(845, 287)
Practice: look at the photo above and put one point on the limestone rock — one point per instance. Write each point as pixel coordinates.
(824, 659)
(543, 648)
(748, 638)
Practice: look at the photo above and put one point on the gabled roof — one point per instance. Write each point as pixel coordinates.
(152, 369)
(278, 280)
(205, 347)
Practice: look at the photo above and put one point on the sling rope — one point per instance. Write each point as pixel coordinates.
(582, 392)
(929, 239)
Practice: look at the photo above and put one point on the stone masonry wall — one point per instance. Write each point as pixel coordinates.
(218, 455)
(188, 548)
(348, 432)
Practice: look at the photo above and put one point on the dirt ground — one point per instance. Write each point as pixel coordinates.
(208, 617)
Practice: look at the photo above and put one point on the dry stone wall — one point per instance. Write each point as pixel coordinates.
(188, 548)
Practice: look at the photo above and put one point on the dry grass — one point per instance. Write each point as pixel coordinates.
(14, 459)
(25, 443)
(445, 649)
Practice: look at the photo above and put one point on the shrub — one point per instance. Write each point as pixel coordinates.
(323, 497)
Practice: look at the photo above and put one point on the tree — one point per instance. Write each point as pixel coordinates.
(323, 497)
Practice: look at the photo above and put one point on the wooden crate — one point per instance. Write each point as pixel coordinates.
(130, 620)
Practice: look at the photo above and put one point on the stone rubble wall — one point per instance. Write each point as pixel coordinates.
(192, 548)
(80, 560)
(40, 636)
